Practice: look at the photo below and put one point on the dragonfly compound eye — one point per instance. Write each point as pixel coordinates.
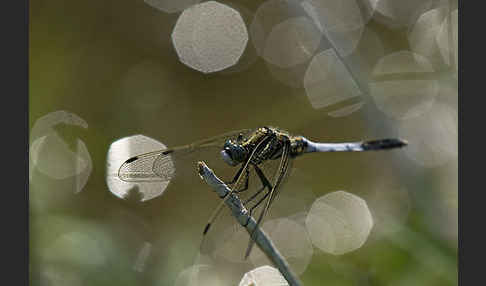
(233, 153)
(238, 153)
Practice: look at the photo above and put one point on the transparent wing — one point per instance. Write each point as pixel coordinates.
(227, 239)
(141, 168)
(279, 178)
(160, 166)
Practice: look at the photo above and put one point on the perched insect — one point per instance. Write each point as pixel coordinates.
(265, 152)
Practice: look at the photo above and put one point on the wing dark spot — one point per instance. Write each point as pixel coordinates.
(206, 228)
(131, 159)
(167, 152)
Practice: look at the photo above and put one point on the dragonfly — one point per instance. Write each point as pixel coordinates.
(262, 158)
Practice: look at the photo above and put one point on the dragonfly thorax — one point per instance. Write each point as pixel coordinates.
(236, 151)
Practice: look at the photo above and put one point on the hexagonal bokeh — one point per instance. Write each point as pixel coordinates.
(250, 55)
(54, 154)
(339, 222)
(120, 151)
(369, 50)
(263, 276)
(327, 81)
(283, 34)
(432, 137)
(447, 39)
(210, 37)
(329, 70)
(397, 13)
(341, 22)
(291, 42)
(291, 240)
(403, 85)
(422, 36)
(171, 6)
(288, 235)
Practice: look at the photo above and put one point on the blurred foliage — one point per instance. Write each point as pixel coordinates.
(83, 55)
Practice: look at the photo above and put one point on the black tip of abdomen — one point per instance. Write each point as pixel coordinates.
(384, 144)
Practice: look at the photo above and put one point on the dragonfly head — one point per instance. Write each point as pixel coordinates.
(233, 153)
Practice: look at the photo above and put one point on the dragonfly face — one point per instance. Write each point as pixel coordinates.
(233, 153)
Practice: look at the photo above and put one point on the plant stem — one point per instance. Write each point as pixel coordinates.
(242, 216)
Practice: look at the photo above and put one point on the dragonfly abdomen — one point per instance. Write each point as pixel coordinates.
(380, 144)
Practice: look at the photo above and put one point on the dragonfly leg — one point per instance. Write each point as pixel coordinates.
(266, 184)
(249, 200)
(247, 178)
(254, 195)
(257, 204)
(260, 201)
(262, 177)
(236, 176)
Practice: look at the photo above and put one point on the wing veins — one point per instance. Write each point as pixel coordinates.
(282, 171)
(139, 169)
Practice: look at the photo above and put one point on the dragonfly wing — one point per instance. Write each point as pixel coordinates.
(141, 168)
(283, 175)
(160, 166)
(280, 176)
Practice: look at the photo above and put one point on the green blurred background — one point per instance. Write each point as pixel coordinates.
(112, 64)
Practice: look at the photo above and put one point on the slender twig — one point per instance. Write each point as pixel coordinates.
(242, 216)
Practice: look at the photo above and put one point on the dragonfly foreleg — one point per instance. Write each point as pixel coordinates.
(247, 178)
(257, 204)
(254, 195)
(235, 177)
(262, 177)
(266, 184)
